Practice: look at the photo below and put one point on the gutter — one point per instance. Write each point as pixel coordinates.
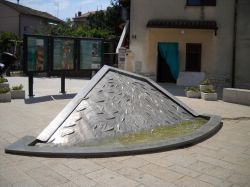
(234, 43)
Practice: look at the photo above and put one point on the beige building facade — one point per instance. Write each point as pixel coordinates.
(203, 34)
(242, 52)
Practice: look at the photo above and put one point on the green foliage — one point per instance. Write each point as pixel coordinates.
(5, 44)
(19, 87)
(2, 80)
(108, 20)
(208, 90)
(163, 132)
(4, 90)
(78, 31)
(194, 89)
(86, 31)
(206, 82)
(101, 24)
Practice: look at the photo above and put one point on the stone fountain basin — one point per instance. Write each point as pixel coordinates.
(115, 103)
(26, 145)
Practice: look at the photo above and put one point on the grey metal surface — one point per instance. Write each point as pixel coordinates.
(63, 115)
(83, 131)
(114, 103)
(118, 105)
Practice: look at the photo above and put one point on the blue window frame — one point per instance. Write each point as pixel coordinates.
(201, 2)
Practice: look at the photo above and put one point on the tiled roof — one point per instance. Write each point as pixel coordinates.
(190, 24)
(29, 11)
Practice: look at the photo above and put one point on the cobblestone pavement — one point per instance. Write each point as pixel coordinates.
(222, 160)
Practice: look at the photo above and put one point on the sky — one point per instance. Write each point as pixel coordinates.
(65, 8)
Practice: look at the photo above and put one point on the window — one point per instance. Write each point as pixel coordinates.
(193, 57)
(25, 28)
(201, 2)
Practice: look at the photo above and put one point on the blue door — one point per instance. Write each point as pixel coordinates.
(168, 62)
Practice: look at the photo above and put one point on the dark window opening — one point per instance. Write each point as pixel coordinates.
(163, 71)
(193, 57)
(25, 28)
(201, 2)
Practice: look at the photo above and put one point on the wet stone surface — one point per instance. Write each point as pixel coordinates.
(118, 105)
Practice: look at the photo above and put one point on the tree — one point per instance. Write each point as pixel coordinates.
(102, 24)
(109, 20)
(5, 41)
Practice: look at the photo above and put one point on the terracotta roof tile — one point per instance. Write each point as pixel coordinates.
(190, 24)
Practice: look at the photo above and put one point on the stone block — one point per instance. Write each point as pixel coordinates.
(6, 97)
(4, 85)
(234, 95)
(192, 94)
(229, 95)
(209, 96)
(17, 94)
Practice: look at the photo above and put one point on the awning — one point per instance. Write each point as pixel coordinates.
(183, 24)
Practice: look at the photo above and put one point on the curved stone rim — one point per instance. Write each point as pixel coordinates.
(25, 146)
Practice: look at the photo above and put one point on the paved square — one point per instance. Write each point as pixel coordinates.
(222, 160)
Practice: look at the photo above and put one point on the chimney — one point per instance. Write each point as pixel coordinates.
(79, 13)
(17, 1)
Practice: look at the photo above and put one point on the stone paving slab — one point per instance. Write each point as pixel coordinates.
(222, 160)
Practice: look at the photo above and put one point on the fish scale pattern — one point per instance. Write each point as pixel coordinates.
(118, 105)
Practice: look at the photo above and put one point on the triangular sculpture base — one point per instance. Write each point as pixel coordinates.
(114, 103)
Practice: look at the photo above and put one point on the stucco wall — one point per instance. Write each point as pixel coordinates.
(217, 50)
(9, 19)
(31, 23)
(242, 75)
(182, 36)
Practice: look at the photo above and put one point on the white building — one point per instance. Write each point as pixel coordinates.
(170, 39)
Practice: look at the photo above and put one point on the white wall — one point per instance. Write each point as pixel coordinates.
(32, 23)
(144, 10)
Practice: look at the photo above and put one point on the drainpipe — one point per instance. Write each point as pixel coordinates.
(19, 26)
(234, 42)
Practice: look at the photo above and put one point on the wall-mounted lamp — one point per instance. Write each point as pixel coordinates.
(182, 31)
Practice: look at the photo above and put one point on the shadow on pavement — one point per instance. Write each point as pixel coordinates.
(32, 100)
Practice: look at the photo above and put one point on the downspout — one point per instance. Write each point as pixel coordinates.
(19, 25)
(234, 42)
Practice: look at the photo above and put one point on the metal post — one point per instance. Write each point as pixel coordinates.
(63, 84)
(31, 85)
(234, 43)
